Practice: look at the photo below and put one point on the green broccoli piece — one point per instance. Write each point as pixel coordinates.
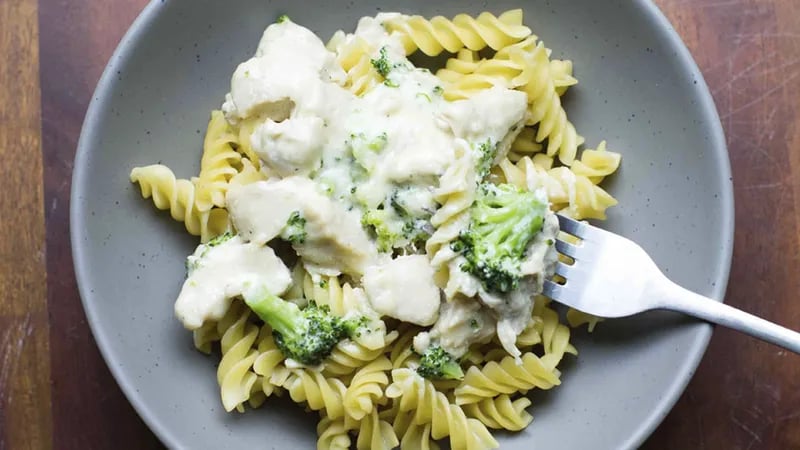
(437, 364)
(484, 156)
(503, 221)
(381, 63)
(222, 238)
(385, 230)
(282, 18)
(306, 335)
(295, 230)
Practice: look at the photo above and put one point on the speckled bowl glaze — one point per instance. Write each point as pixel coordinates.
(639, 89)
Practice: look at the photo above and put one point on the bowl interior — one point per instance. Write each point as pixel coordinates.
(639, 89)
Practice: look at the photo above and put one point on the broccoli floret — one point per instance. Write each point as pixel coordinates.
(282, 18)
(381, 63)
(222, 238)
(504, 219)
(306, 335)
(364, 149)
(295, 230)
(437, 364)
(386, 232)
(484, 156)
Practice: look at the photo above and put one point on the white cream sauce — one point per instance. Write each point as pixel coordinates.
(219, 273)
(403, 288)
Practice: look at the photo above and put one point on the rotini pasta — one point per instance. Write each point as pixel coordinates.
(412, 435)
(332, 435)
(354, 55)
(366, 388)
(501, 412)
(417, 394)
(508, 377)
(178, 196)
(570, 194)
(475, 33)
(268, 359)
(318, 392)
(218, 163)
(234, 374)
(375, 433)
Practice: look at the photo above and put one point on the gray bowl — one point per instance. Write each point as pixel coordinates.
(639, 89)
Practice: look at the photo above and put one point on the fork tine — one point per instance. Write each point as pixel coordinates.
(566, 270)
(571, 226)
(557, 292)
(565, 248)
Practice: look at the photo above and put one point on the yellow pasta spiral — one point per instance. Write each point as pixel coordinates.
(332, 435)
(570, 194)
(319, 392)
(402, 352)
(597, 164)
(218, 163)
(366, 388)
(507, 377)
(375, 433)
(347, 356)
(417, 394)
(475, 33)
(249, 174)
(501, 412)
(205, 336)
(413, 436)
(545, 105)
(354, 55)
(234, 374)
(268, 359)
(178, 195)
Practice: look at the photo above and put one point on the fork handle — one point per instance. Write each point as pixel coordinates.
(680, 299)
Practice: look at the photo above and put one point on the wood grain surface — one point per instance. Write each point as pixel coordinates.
(55, 389)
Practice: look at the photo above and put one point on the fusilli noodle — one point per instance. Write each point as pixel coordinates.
(178, 195)
(332, 435)
(501, 412)
(508, 377)
(319, 392)
(419, 395)
(218, 163)
(234, 374)
(475, 33)
(366, 388)
(570, 194)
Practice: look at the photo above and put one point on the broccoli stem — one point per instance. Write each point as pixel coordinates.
(284, 317)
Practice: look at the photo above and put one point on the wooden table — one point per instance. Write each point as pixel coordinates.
(55, 390)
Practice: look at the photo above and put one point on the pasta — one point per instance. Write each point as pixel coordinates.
(431, 406)
(339, 204)
(366, 388)
(234, 374)
(218, 163)
(375, 433)
(441, 34)
(317, 391)
(178, 196)
(333, 435)
(413, 436)
(507, 377)
(501, 412)
(570, 194)
(268, 360)
(354, 57)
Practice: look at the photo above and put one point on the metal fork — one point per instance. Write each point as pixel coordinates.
(614, 277)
